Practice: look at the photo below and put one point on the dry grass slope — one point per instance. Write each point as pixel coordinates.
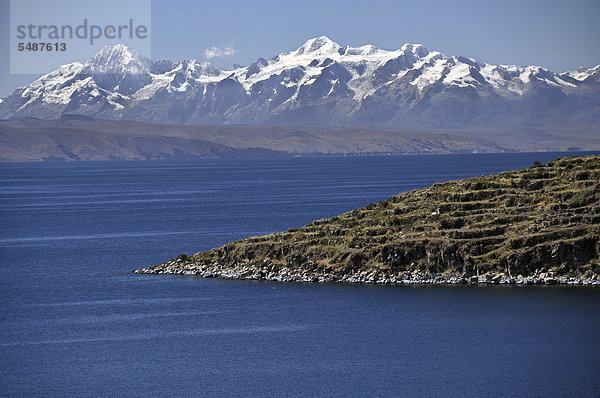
(542, 222)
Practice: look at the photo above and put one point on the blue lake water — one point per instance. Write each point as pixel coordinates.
(75, 321)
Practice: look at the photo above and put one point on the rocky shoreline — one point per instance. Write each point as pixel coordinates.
(268, 273)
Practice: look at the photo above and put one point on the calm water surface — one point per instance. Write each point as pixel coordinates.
(76, 322)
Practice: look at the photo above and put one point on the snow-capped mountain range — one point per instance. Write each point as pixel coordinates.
(320, 83)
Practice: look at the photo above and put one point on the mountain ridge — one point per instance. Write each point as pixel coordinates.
(319, 84)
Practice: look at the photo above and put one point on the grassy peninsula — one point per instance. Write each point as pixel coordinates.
(536, 225)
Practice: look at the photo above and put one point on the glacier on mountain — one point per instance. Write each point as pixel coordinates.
(320, 83)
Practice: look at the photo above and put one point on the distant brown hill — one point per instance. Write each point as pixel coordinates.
(75, 137)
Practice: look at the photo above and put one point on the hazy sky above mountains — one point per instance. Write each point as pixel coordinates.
(557, 34)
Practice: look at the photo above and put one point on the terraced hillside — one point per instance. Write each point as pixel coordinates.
(536, 225)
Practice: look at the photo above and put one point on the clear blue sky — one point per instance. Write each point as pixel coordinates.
(557, 34)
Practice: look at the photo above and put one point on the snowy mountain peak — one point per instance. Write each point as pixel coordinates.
(582, 73)
(318, 45)
(118, 59)
(418, 50)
